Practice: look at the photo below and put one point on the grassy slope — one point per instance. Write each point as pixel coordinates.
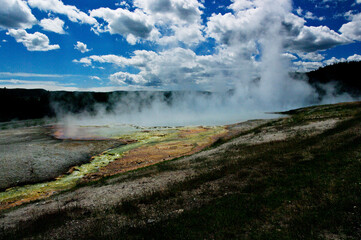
(306, 187)
(293, 197)
(302, 189)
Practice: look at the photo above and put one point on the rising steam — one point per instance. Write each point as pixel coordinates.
(260, 83)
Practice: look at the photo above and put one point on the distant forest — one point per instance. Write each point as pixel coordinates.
(346, 76)
(22, 104)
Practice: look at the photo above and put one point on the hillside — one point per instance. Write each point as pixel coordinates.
(296, 177)
(346, 75)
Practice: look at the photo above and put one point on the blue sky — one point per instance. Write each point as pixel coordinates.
(168, 44)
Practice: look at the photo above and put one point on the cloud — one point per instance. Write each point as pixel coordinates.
(132, 25)
(182, 18)
(82, 47)
(254, 43)
(240, 5)
(352, 30)
(305, 66)
(176, 68)
(22, 74)
(250, 21)
(17, 81)
(299, 11)
(354, 57)
(164, 22)
(311, 39)
(302, 66)
(313, 56)
(139, 59)
(53, 25)
(161, 68)
(56, 86)
(95, 78)
(33, 42)
(123, 4)
(333, 60)
(57, 6)
(30, 84)
(187, 34)
(308, 15)
(185, 11)
(16, 14)
(85, 61)
(289, 56)
(124, 78)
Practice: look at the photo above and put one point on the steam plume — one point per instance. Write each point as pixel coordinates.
(259, 82)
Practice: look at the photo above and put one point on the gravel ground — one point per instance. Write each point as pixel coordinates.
(31, 154)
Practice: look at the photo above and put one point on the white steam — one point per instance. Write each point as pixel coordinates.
(184, 108)
(257, 73)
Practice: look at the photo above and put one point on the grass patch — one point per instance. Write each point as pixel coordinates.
(127, 207)
(39, 224)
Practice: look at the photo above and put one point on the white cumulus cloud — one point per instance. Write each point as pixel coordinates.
(165, 22)
(57, 6)
(311, 39)
(354, 57)
(82, 47)
(175, 68)
(16, 14)
(352, 30)
(250, 20)
(32, 41)
(313, 56)
(53, 25)
(172, 10)
(132, 25)
(124, 78)
(305, 66)
(302, 66)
